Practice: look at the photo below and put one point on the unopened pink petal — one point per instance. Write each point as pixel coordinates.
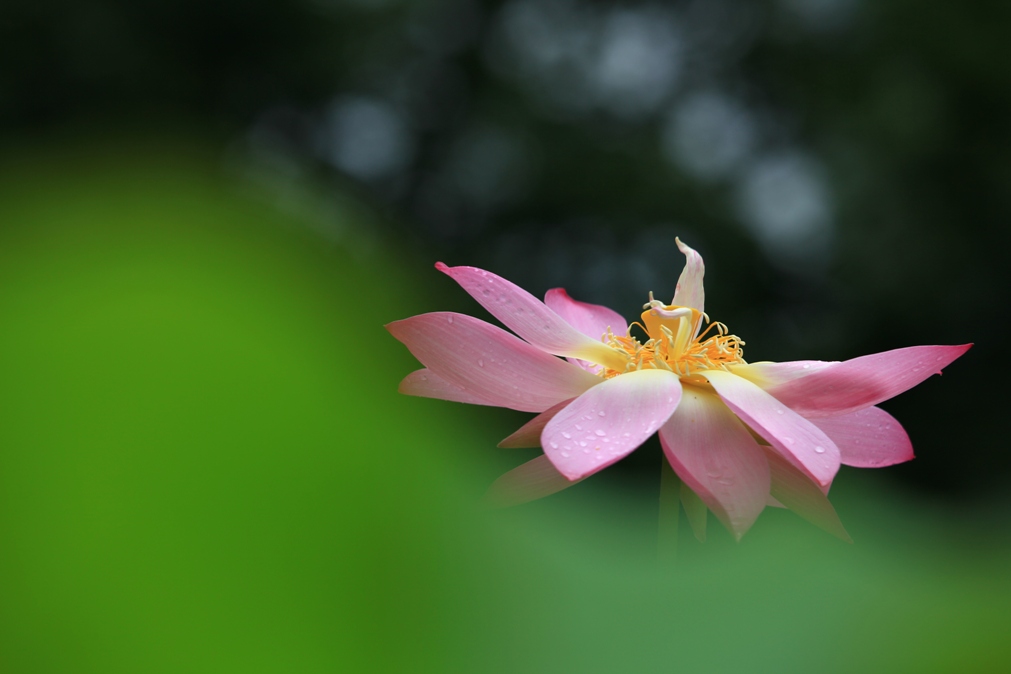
(530, 318)
(869, 438)
(861, 382)
(690, 291)
(767, 374)
(714, 454)
(800, 441)
(609, 421)
(427, 384)
(533, 480)
(529, 434)
(593, 320)
(794, 490)
(489, 362)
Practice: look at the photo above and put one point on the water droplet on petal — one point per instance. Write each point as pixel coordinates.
(480, 362)
(780, 411)
(449, 319)
(807, 366)
(566, 435)
(788, 440)
(578, 427)
(565, 455)
(600, 432)
(582, 444)
(819, 449)
(554, 445)
(601, 413)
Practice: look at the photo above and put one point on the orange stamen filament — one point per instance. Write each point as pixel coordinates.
(671, 346)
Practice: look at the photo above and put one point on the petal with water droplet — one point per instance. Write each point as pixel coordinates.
(529, 434)
(715, 455)
(515, 375)
(869, 438)
(637, 404)
(530, 318)
(861, 382)
(427, 384)
(760, 411)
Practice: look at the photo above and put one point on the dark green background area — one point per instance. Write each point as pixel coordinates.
(204, 467)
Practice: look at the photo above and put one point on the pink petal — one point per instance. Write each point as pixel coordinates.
(530, 318)
(529, 434)
(610, 420)
(427, 384)
(695, 511)
(861, 382)
(771, 502)
(690, 291)
(714, 454)
(489, 362)
(593, 320)
(794, 490)
(533, 480)
(870, 438)
(796, 438)
(767, 374)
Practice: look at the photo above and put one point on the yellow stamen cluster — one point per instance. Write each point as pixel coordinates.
(673, 345)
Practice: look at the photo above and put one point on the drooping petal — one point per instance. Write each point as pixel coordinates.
(690, 291)
(794, 490)
(861, 382)
(800, 441)
(869, 438)
(771, 502)
(593, 320)
(695, 510)
(427, 384)
(530, 318)
(489, 362)
(767, 374)
(715, 455)
(529, 434)
(528, 482)
(609, 421)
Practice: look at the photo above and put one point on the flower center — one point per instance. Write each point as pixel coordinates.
(675, 343)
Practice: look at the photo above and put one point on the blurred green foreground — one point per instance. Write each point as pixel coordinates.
(205, 467)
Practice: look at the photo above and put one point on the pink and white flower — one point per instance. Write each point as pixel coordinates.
(741, 436)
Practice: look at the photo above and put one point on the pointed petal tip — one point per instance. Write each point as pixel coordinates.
(442, 266)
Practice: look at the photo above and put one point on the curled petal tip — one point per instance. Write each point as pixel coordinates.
(441, 266)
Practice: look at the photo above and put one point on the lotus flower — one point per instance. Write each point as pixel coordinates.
(739, 435)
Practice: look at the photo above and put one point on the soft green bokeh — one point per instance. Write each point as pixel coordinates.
(205, 467)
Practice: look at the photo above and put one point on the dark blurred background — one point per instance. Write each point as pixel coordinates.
(843, 166)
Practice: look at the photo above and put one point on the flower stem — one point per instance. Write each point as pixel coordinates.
(667, 534)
